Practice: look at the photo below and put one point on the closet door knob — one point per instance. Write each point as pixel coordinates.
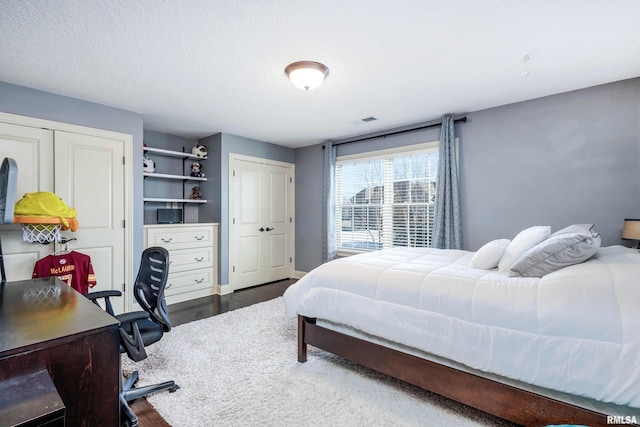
(269, 229)
(261, 229)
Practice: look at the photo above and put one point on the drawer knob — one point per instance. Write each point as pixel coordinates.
(199, 259)
(166, 240)
(199, 280)
(168, 286)
(199, 238)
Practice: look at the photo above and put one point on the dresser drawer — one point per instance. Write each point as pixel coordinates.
(190, 259)
(180, 237)
(188, 281)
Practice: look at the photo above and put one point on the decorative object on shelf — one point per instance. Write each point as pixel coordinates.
(306, 74)
(199, 151)
(169, 216)
(149, 164)
(195, 193)
(196, 170)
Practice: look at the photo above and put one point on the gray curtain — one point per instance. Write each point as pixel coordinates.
(329, 250)
(447, 233)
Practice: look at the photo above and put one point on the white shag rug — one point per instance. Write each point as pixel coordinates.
(240, 369)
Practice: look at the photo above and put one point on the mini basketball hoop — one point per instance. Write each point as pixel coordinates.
(40, 229)
(40, 233)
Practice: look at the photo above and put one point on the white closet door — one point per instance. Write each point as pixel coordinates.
(89, 176)
(248, 245)
(32, 149)
(276, 215)
(261, 232)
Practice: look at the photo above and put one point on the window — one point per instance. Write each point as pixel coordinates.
(386, 199)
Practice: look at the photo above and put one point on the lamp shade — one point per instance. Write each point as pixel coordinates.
(306, 74)
(631, 229)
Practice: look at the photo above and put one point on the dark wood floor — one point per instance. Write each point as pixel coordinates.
(202, 308)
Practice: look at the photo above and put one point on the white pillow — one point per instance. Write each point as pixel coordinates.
(525, 240)
(488, 256)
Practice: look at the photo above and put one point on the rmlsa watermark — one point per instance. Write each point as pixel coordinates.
(621, 419)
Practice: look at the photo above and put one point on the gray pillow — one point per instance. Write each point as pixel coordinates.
(558, 251)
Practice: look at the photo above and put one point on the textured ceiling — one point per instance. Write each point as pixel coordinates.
(197, 67)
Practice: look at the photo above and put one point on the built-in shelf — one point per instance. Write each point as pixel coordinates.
(173, 153)
(179, 177)
(184, 178)
(163, 200)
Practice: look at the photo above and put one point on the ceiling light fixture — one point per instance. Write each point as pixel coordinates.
(306, 74)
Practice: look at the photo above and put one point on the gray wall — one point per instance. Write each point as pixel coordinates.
(569, 158)
(222, 145)
(562, 159)
(308, 207)
(48, 106)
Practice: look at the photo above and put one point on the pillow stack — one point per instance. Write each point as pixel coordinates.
(535, 252)
(572, 245)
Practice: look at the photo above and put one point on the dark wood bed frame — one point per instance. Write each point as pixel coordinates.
(507, 402)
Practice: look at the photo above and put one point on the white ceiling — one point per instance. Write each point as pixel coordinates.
(193, 68)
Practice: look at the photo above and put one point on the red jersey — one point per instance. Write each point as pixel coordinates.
(74, 269)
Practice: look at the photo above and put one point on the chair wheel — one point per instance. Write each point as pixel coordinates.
(174, 388)
(128, 423)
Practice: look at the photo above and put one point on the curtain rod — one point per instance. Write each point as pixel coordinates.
(384, 135)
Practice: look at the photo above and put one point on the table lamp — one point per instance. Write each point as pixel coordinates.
(631, 230)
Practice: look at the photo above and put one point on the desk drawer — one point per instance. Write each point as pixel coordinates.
(188, 281)
(180, 237)
(190, 259)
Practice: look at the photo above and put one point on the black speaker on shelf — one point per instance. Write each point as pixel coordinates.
(169, 216)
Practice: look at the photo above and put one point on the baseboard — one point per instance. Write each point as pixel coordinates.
(229, 289)
(224, 289)
(299, 274)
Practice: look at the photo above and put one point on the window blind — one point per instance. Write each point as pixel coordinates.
(386, 201)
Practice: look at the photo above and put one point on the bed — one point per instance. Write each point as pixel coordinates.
(563, 348)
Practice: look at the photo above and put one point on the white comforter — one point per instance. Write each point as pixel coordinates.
(576, 330)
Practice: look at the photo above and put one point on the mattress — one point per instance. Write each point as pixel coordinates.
(574, 330)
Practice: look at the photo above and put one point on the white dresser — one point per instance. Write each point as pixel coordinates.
(193, 255)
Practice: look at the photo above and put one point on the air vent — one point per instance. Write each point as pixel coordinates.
(369, 119)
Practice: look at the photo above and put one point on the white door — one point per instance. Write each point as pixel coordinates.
(89, 176)
(261, 231)
(279, 223)
(88, 173)
(32, 149)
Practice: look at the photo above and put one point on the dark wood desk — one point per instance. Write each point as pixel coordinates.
(45, 324)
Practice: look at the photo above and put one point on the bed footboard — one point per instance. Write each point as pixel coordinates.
(511, 403)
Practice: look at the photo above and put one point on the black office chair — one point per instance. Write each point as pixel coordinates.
(141, 328)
